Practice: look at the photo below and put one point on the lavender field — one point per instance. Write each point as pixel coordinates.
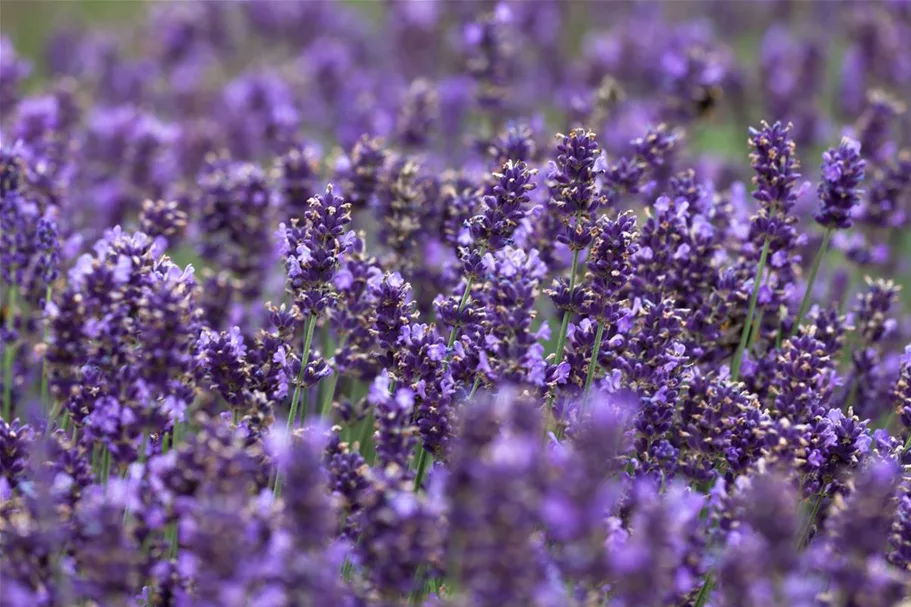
(520, 304)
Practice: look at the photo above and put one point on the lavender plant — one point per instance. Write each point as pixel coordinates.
(345, 330)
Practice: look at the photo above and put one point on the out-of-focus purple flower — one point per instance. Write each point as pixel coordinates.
(858, 532)
(650, 566)
(516, 143)
(870, 314)
(13, 70)
(298, 171)
(489, 52)
(418, 114)
(401, 532)
(235, 203)
(874, 125)
(160, 218)
(839, 193)
(360, 172)
(495, 488)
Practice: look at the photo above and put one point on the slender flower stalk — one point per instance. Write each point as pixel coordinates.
(424, 460)
(811, 278)
(564, 324)
(751, 311)
(305, 358)
(462, 302)
(8, 356)
(839, 194)
(44, 399)
(593, 365)
(330, 388)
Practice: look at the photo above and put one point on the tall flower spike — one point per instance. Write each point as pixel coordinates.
(839, 191)
(776, 166)
(838, 194)
(313, 250)
(573, 175)
(611, 260)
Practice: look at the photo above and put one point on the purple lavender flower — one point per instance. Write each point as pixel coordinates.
(362, 170)
(504, 208)
(421, 365)
(396, 436)
(14, 440)
(418, 114)
(313, 250)
(874, 124)
(856, 564)
(489, 56)
(495, 491)
(650, 564)
(13, 70)
(575, 196)
(516, 142)
(160, 218)
(394, 311)
(401, 532)
(839, 193)
(871, 311)
(235, 204)
(776, 168)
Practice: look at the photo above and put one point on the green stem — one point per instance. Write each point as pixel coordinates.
(465, 294)
(423, 460)
(561, 338)
(811, 278)
(142, 447)
(474, 388)
(593, 364)
(366, 433)
(305, 358)
(747, 326)
(703, 595)
(44, 398)
(805, 532)
(105, 466)
(295, 398)
(330, 389)
(8, 357)
(754, 332)
(852, 393)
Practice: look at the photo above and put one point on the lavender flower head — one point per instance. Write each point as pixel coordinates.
(839, 192)
(776, 166)
(312, 250)
(504, 208)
